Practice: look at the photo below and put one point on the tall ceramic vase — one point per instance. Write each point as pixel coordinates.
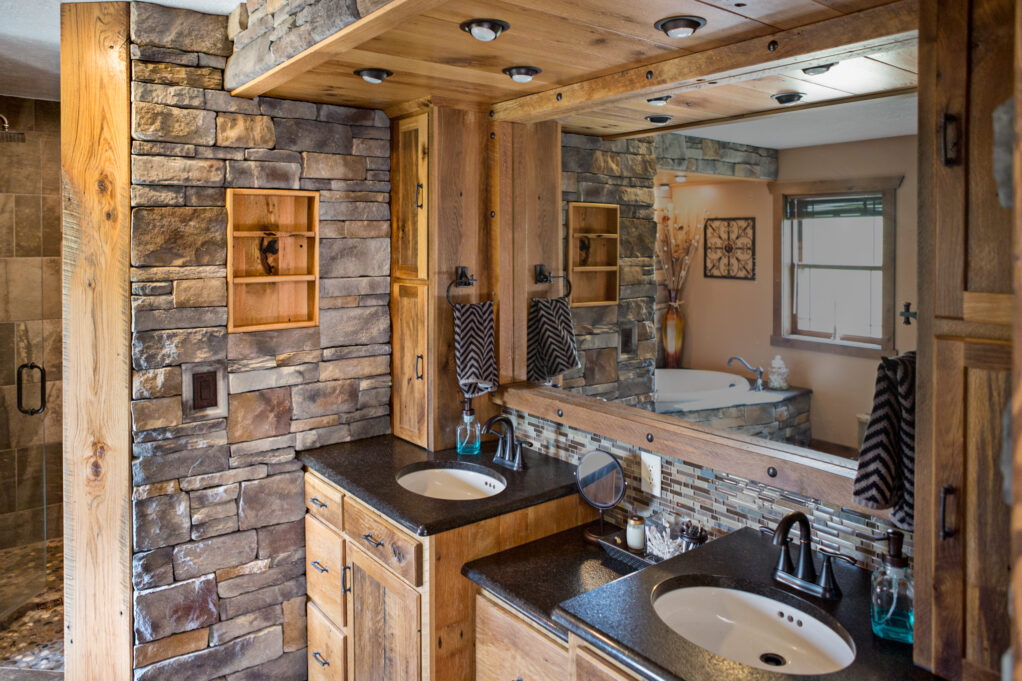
(673, 332)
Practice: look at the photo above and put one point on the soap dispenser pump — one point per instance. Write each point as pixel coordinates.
(469, 432)
(892, 600)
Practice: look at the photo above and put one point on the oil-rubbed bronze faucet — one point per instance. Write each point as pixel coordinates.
(758, 385)
(803, 577)
(509, 449)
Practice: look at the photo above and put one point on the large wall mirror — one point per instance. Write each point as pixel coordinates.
(795, 236)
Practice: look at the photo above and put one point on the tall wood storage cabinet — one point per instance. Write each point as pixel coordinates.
(962, 538)
(439, 222)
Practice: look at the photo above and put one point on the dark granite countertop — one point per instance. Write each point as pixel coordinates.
(535, 577)
(618, 618)
(367, 469)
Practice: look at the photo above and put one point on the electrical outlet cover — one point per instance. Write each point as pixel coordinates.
(650, 471)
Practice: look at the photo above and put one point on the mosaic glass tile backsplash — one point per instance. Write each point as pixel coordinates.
(717, 501)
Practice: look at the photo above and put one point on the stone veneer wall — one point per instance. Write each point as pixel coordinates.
(218, 534)
(619, 172)
(683, 153)
(268, 32)
(715, 500)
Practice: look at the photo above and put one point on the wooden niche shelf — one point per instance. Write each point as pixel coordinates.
(593, 235)
(272, 259)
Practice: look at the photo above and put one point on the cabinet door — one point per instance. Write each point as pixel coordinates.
(408, 320)
(509, 648)
(383, 623)
(969, 526)
(588, 666)
(409, 198)
(327, 656)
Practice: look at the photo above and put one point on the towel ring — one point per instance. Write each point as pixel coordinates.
(461, 280)
(543, 276)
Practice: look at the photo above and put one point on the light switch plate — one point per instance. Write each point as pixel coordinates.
(650, 472)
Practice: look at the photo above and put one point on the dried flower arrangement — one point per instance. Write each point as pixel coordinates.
(676, 245)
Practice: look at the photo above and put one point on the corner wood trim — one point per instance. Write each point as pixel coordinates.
(95, 163)
(821, 476)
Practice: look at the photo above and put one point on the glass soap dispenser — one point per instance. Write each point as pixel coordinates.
(891, 606)
(469, 432)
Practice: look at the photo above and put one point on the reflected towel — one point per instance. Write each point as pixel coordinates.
(551, 343)
(887, 460)
(474, 359)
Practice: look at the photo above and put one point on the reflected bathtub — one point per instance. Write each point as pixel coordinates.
(695, 389)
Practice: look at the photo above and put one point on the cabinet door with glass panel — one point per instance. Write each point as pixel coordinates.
(834, 266)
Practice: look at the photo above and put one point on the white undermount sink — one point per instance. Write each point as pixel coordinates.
(754, 630)
(454, 481)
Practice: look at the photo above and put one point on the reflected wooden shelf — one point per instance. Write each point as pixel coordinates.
(593, 230)
(272, 259)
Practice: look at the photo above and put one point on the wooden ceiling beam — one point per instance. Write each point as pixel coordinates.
(878, 29)
(351, 36)
(660, 129)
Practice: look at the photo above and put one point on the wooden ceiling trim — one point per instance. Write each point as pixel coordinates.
(869, 31)
(382, 20)
(676, 127)
(780, 14)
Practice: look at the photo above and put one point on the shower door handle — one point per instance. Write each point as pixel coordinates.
(42, 388)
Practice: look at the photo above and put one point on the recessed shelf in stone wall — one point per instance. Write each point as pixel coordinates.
(593, 236)
(272, 259)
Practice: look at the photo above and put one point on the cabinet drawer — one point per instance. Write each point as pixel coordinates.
(383, 541)
(588, 666)
(324, 554)
(327, 656)
(508, 647)
(323, 500)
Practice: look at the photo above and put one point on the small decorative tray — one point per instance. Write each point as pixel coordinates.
(616, 546)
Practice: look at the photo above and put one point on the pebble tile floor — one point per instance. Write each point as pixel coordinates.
(31, 640)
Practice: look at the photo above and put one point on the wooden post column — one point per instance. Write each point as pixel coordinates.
(96, 175)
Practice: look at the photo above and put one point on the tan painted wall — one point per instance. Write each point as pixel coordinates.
(725, 317)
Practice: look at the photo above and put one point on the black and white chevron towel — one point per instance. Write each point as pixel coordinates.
(887, 460)
(474, 359)
(552, 349)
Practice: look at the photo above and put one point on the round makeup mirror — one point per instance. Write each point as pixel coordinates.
(601, 480)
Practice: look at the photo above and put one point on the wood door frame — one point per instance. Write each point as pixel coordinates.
(1016, 364)
(96, 169)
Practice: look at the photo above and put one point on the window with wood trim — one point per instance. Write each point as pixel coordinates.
(834, 259)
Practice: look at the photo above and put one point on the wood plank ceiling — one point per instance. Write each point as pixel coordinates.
(575, 40)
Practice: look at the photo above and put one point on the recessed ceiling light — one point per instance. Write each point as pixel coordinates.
(374, 76)
(680, 27)
(522, 74)
(788, 98)
(485, 29)
(660, 119)
(818, 70)
(659, 101)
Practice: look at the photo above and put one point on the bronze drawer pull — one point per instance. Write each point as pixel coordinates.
(344, 580)
(316, 502)
(372, 540)
(318, 657)
(945, 531)
(319, 566)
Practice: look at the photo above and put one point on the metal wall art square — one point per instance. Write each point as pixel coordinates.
(729, 248)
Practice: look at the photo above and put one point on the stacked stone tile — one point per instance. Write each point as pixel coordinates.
(268, 32)
(619, 172)
(218, 535)
(730, 159)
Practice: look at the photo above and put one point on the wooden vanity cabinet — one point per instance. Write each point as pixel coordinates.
(409, 313)
(509, 647)
(409, 206)
(399, 604)
(588, 665)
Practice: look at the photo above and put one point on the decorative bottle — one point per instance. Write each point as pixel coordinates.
(892, 601)
(777, 379)
(469, 432)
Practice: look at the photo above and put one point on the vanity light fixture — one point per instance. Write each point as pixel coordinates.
(374, 76)
(659, 101)
(660, 119)
(485, 30)
(522, 74)
(819, 69)
(788, 98)
(681, 178)
(680, 27)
